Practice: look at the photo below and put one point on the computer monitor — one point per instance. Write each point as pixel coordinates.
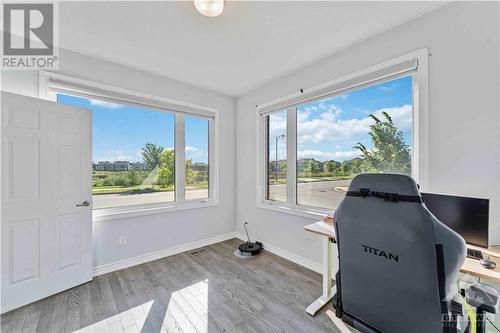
(466, 216)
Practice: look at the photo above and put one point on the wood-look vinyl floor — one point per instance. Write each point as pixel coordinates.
(205, 290)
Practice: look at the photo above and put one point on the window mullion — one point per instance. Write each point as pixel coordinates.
(415, 168)
(212, 167)
(291, 156)
(180, 165)
(265, 121)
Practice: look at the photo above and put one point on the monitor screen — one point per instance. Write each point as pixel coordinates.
(466, 216)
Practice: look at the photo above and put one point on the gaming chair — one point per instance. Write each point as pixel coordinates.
(398, 264)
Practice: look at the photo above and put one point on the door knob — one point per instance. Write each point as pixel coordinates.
(83, 204)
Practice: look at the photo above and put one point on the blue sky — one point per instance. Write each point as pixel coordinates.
(120, 131)
(328, 129)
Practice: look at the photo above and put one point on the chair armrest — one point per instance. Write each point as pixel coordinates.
(483, 297)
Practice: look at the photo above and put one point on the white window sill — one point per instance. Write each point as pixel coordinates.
(119, 213)
(302, 212)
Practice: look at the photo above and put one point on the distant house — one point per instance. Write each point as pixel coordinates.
(199, 167)
(105, 166)
(139, 166)
(121, 165)
(94, 166)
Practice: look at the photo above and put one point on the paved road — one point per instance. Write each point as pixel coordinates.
(323, 194)
(113, 200)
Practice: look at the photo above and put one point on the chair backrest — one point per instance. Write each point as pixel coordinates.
(397, 262)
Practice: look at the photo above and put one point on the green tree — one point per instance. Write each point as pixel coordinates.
(356, 165)
(332, 168)
(345, 168)
(190, 174)
(166, 170)
(389, 153)
(313, 167)
(151, 155)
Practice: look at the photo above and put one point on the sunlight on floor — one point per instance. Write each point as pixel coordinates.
(187, 310)
(135, 316)
(188, 307)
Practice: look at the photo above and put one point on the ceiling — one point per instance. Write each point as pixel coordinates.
(249, 45)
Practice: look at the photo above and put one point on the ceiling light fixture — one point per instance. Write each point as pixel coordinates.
(210, 8)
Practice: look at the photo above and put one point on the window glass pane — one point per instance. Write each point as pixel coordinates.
(276, 159)
(367, 130)
(132, 153)
(196, 137)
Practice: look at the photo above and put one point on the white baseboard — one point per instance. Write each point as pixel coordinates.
(117, 265)
(307, 263)
(121, 264)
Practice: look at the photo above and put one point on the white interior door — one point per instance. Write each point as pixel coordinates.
(46, 171)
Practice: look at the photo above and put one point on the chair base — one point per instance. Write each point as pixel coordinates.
(358, 324)
(365, 328)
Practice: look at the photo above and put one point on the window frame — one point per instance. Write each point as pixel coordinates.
(292, 102)
(210, 148)
(89, 89)
(266, 161)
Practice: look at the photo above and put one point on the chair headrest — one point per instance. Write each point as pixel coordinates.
(384, 182)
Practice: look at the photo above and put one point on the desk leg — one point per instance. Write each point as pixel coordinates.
(327, 278)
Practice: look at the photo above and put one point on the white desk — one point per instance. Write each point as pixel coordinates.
(324, 229)
(470, 266)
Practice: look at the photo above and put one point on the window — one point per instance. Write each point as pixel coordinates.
(365, 124)
(276, 156)
(135, 155)
(196, 152)
(366, 130)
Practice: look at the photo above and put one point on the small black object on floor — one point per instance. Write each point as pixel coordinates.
(249, 248)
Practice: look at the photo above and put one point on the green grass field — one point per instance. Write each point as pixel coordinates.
(137, 189)
(126, 182)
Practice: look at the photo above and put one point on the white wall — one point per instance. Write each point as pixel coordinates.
(153, 232)
(464, 114)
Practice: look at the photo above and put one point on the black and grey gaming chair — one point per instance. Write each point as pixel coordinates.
(398, 264)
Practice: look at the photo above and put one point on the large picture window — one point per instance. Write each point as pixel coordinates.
(134, 154)
(368, 127)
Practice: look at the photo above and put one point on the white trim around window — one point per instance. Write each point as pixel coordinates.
(415, 63)
(52, 83)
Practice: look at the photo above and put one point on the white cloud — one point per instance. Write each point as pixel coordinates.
(329, 128)
(277, 123)
(195, 153)
(325, 156)
(191, 149)
(324, 106)
(401, 116)
(104, 104)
